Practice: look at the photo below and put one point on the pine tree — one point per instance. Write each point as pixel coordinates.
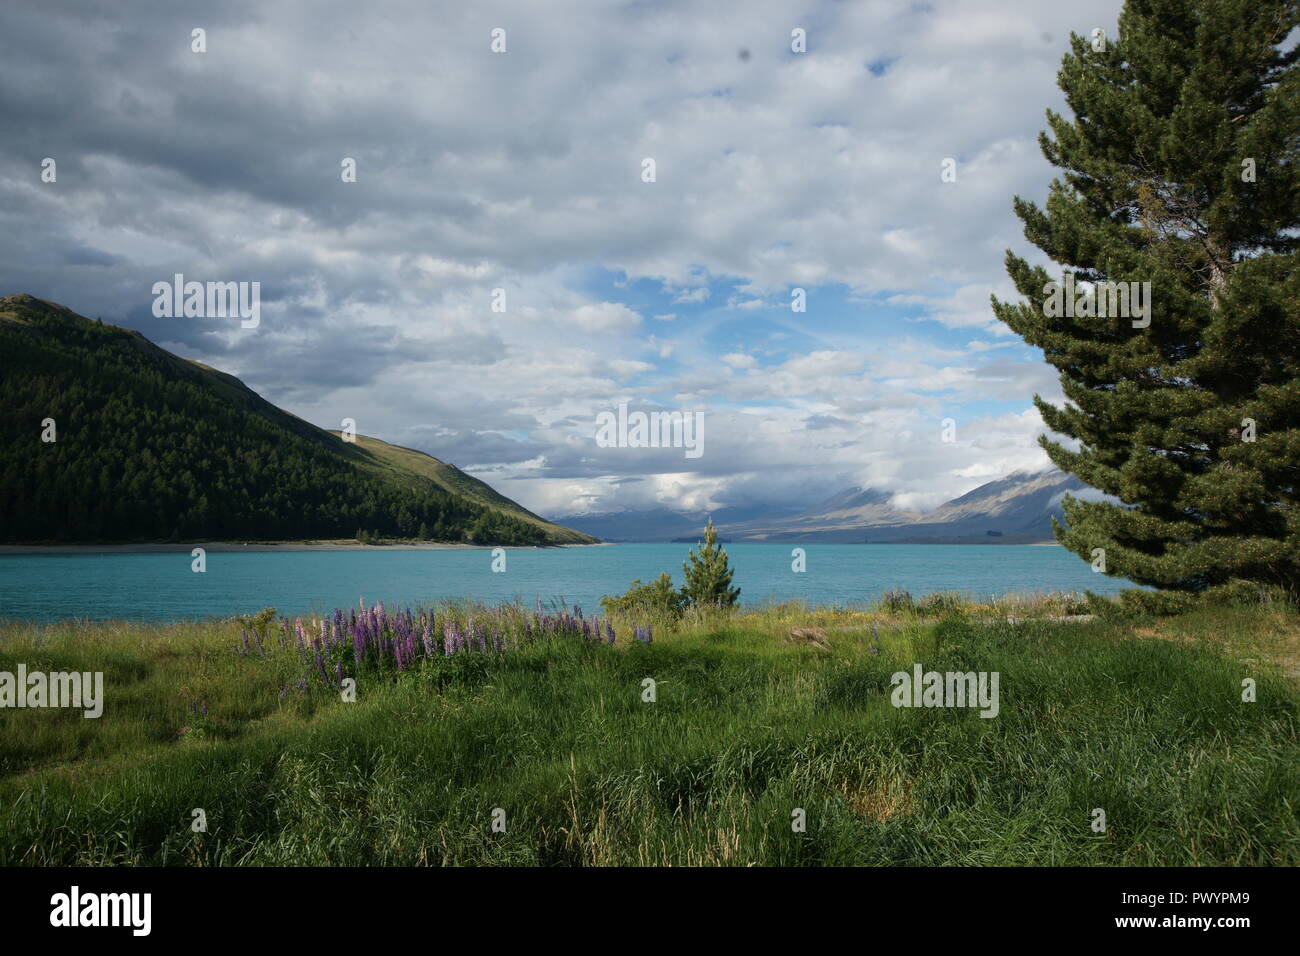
(1181, 169)
(708, 576)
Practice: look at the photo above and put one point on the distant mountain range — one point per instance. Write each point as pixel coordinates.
(1017, 509)
(106, 437)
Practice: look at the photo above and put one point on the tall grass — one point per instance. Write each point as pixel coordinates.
(747, 727)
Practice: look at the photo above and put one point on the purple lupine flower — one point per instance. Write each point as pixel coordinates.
(338, 672)
(609, 633)
(496, 640)
(320, 667)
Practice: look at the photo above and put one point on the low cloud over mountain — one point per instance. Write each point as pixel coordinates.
(1016, 509)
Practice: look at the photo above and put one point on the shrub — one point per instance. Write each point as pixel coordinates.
(1076, 604)
(897, 602)
(1155, 603)
(940, 603)
(1241, 593)
(259, 623)
(640, 601)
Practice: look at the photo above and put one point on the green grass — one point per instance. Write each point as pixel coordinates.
(1143, 719)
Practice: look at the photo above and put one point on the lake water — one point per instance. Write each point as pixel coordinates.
(162, 587)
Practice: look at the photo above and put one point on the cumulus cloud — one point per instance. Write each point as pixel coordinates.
(521, 172)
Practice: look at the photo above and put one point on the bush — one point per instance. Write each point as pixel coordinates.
(1139, 602)
(1238, 593)
(1076, 604)
(897, 602)
(1241, 593)
(657, 599)
(259, 623)
(940, 603)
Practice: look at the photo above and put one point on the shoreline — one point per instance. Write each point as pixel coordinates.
(227, 547)
(219, 547)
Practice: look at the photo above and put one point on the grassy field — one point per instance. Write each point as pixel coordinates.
(1142, 718)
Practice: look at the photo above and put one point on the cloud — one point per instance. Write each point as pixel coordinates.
(604, 317)
(522, 171)
(739, 361)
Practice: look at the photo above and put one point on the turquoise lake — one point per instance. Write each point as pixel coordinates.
(162, 587)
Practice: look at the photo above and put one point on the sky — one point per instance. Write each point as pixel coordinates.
(524, 171)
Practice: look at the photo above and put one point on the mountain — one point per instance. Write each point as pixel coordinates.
(666, 524)
(1017, 509)
(149, 446)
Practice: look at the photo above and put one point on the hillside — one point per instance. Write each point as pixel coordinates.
(153, 447)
